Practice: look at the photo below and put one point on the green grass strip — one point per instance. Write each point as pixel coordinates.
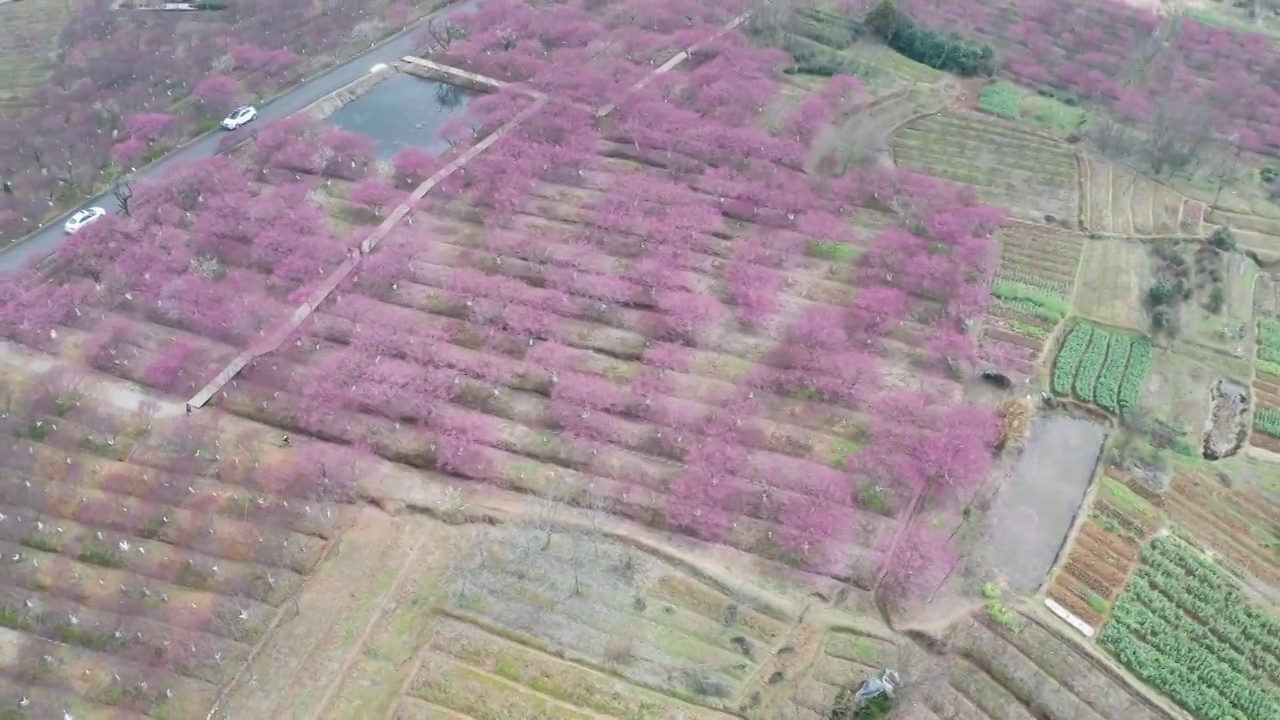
(1040, 303)
(1002, 99)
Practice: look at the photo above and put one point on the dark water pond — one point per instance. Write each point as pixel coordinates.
(403, 111)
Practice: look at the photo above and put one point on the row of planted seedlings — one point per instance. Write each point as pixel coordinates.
(172, 563)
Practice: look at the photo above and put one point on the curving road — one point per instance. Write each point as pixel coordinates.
(45, 240)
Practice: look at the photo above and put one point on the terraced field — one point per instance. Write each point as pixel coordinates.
(28, 34)
(1033, 288)
(1119, 200)
(144, 560)
(1032, 175)
(1031, 672)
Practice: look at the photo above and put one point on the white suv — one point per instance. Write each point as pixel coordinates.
(241, 116)
(82, 218)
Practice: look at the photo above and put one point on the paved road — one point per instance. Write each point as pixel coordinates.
(46, 240)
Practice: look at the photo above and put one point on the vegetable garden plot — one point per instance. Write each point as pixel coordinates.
(1032, 173)
(156, 576)
(1268, 361)
(1235, 522)
(1101, 366)
(1266, 387)
(1094, 572)
(1036, 280)
(1053, 255)
(1183, 627)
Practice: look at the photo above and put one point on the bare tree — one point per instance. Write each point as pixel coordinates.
(122, 189)
(1173, 138)
(441, 34)
(1176, 136)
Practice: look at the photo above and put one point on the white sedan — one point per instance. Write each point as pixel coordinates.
(82, 218)
(240, 117)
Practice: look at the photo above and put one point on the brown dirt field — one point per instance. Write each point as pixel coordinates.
(1266, 389)
(1112, 282)
(1178, 389)
(1264, 441)
(1114, 550)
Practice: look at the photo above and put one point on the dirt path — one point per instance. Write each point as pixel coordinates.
(297, 668)
(344, 669)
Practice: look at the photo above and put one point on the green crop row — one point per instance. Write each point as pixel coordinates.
(1135, 375)
(1036, 302)
(1091, 365)
(1034, 332)
(1183, 627)
(1267, 420)
(1064, 366)
(1269, 345)
(1002, 98)
(1107, 393)
(1056, 288)
(1208, 595)
(1106, 367)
